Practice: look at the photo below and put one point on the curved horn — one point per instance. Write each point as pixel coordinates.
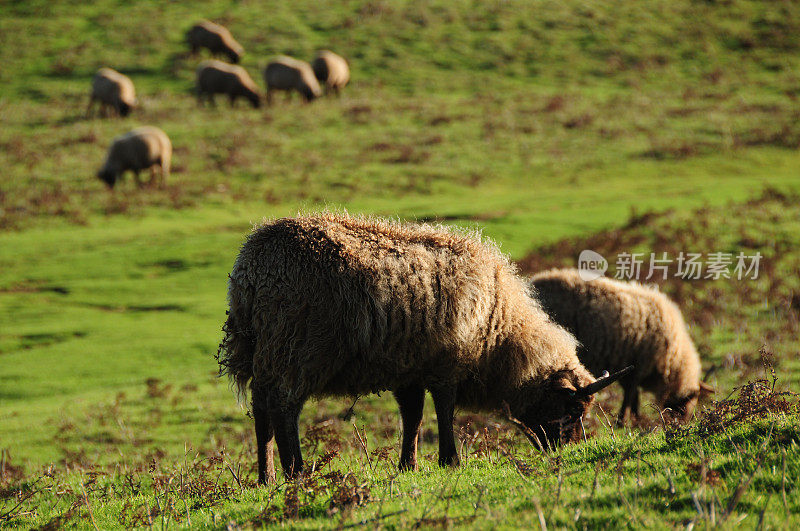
(604, 381)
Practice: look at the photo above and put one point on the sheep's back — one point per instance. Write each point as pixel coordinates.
(616, 326)
(216, 76)
(213, 36)
(342, 309)
(109, 86)
(286, 73)
(331, 69)
(140, 148)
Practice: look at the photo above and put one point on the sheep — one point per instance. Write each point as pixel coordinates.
(217, 39)
(139, 149)
(216, 77)
(332, 70)
(287, 73)
(333, 305)
(620, 324)
(112, 89)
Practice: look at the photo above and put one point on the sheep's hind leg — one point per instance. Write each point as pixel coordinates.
(265, 441)
(444, 400)
(287, 435)
(153, 182)
(411, 401)
(630, 403)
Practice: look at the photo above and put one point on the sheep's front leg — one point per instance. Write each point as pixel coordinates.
(444, 400)
(264, 443)
(287, 435)
(630, 402)
(411, 401)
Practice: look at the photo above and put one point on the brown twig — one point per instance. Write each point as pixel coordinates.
(363, 444)
(88, 506)
(10, 513)
(526, 430)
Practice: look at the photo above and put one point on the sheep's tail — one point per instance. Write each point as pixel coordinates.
(235, 356)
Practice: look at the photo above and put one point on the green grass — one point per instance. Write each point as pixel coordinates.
(546, 125)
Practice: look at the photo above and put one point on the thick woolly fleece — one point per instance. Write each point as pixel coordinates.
(137, 150)
(287, 73)
(624, 323)
(331, 70)
(216, 38)
(216, 77)
(338, 305)
(113, 89)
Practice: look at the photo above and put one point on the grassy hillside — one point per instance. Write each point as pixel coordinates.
(453, 100)
(121, 395)
(552, 126)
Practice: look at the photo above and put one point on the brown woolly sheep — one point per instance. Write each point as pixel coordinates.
(139, 149)
(288, 74)
(331, 70)
(332, 305)
(216, 77)
(620, 324)
(217, 39)
(112, 89)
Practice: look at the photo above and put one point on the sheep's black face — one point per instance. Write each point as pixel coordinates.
(561, 421)
(255, 101)
(309, 95)
(124, 109)
(107, 177)
(555, 411)
(681, 408)
(234, 57)
(321, 71)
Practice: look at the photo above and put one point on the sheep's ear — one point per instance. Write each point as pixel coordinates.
(706, 389)
(563, 383)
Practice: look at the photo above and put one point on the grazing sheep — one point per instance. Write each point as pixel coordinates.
(217, 39)
(620, 324)
(216, 77)
(331, 305)
(331, 70)
(287, 73)
(139, 149)
(112, 89)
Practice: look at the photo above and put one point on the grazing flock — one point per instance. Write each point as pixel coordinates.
(149, 147)
(333, 305)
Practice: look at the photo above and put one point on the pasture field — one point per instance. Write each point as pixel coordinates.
(554, 127)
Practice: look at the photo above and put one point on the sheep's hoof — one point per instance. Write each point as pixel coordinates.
(408, 466)
(266, 480)
(451, 461)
